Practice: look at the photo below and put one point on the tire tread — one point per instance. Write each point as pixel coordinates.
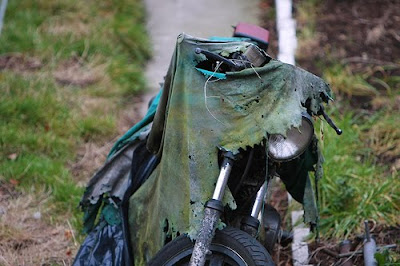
(240, 239)
(257, 251)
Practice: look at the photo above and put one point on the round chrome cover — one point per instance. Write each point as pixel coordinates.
(295, 143)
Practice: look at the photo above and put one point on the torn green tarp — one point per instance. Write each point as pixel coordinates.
(135, 131)
(194, 117)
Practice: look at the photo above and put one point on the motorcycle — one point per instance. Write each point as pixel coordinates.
(187, 185)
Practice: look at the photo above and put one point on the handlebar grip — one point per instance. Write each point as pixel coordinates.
(329, 121)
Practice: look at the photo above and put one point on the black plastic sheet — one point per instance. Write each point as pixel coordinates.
(103, 246)
(108, 242)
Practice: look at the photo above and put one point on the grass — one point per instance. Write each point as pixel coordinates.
(67, 68)
(306, 14)
(345, 82)
(367, 191)
(382, 135)
(110, 32)
(37, 129)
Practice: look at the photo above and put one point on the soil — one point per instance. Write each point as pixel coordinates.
(326, 252)
(75, 72)
(19, 62)
(282, 255)
(360, 33)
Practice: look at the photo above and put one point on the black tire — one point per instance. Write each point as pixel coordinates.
(230, 246)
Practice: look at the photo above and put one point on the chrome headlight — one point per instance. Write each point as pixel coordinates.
(294, 144)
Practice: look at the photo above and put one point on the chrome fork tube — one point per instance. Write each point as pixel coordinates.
(212, 213)
(259, 202)
(222, 180)
(251, 223)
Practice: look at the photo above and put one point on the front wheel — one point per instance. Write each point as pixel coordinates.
(230, 246)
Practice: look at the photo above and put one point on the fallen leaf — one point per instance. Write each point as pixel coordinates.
(396, 166)
(14, 182)
(375, 34)
(68, 234)
(12, 156)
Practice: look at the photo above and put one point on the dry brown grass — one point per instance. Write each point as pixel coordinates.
(19, 62)
(132, 113)
(66, 25)
(90, 157)
(76, 72)
(384, 139)
(26, 233)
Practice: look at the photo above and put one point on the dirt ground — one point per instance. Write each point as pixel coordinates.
(324, 252)
(359, 33)
(26, 237)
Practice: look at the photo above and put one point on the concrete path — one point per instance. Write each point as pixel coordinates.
(200, 18)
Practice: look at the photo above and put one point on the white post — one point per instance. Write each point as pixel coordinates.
(287, 43)
(286, 26)
(2, 13)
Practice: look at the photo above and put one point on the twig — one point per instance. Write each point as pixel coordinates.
(330, 253)
(359, 251)
(352, 254)
(5, 261)
(395, 35)
(349, 258)
(26, 169)
(73, 234)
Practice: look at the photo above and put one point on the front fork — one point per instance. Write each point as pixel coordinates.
(213, 210)
(212, 213)
(250, 224)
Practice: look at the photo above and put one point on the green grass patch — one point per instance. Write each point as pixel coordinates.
(306, 14)
(34, 118)
(343, 81)
(94, 127)
(354, 187)
(382, 135)
(58, 30)
(89, 59)
(370, 81)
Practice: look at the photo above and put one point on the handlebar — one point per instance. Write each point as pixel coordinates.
(329, 121)
(217, 57)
